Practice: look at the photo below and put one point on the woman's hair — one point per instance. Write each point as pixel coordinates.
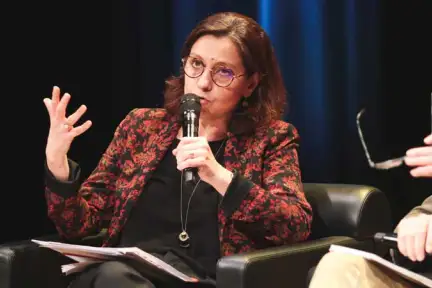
(268, 100)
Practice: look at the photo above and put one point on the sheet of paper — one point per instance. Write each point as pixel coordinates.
(417, 278)
(137, 253)
(76, 267)
(87, 254)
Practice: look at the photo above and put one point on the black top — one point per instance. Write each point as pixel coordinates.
(154, 223)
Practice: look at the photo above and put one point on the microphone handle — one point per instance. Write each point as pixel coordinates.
(190, 175)
(190, 129)
(389, 239)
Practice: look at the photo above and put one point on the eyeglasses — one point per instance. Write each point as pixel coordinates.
(385, 165)
(222, 76)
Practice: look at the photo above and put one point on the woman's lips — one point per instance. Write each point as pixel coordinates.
(204, 101)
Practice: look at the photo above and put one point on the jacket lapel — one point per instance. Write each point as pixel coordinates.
(154, 146)
(234, 153)
(157, 145)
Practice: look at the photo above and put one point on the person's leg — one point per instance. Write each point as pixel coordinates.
(344, 270)
(112, 274)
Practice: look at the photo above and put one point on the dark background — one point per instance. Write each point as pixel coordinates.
(336, 56)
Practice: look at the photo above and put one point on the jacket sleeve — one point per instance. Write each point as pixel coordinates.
(276, 212)
(424, 208)
(81, 210)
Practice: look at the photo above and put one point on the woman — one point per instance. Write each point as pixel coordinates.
(249, 195)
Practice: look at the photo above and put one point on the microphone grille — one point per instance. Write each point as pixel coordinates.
(190, 102)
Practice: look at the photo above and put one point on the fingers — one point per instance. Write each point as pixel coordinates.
(422, 157)
(57, 110)
(76, 131)
(410, 247)
(419, 246)
(191, 140)
(60, 111)
(423, 171)
(192, 152)
(406, 246)
(419, 151)
(55, 97)
(412, 237)
(190, 144)
(184, 155)
(192, 162)
(48, 105)
(419, 160)
(402, 244)
(428, 140)
(429, 236)
(73, 118)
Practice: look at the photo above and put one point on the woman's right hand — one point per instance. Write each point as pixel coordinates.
(61, 132)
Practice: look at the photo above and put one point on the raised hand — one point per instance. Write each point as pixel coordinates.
(62, 132)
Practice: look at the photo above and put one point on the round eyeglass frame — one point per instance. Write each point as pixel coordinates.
(184, 60)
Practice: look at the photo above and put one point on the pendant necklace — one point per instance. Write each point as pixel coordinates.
(183, 237)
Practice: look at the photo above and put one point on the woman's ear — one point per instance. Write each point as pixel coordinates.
(252, 83)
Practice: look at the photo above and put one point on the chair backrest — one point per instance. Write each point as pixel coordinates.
(357, 211)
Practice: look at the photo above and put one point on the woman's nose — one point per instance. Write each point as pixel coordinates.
(205, 81)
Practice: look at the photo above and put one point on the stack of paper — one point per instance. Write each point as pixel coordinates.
(407, 274)
(86, 255)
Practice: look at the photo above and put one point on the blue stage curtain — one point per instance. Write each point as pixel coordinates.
(328, 53)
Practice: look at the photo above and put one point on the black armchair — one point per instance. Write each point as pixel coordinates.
(344, 214)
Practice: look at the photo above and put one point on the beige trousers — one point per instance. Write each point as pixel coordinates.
(349, 271)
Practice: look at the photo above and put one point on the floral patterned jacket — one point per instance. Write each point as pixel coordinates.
(264, 205)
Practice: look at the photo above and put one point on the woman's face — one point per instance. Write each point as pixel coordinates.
(219, 61)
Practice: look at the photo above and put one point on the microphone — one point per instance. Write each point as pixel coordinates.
(389, 239)
(190, 108)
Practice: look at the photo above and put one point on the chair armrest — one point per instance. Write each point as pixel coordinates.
(26, 264)
(280, 266)
(357, 211)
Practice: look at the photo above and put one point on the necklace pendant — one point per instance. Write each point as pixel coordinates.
(184, 239)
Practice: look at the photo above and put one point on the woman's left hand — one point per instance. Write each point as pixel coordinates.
(196, 152)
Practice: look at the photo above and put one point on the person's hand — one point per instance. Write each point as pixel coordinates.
(421, 159)
(414, 234)
(196, 152)
(61, 132)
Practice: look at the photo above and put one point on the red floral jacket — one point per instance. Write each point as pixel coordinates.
(264, 206)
